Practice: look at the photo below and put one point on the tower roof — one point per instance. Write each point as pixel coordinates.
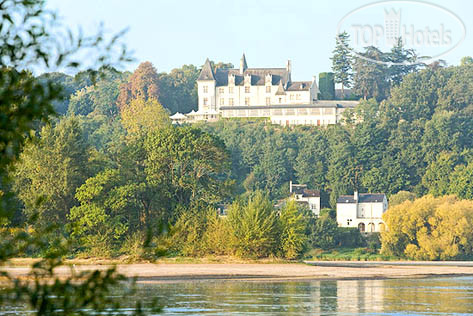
(243, 62)
(207, 72)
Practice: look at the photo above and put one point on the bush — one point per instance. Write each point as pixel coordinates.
(293, 226)
(349, 237)
(254, 227)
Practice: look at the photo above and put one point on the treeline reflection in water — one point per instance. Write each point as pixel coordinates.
(439, 296)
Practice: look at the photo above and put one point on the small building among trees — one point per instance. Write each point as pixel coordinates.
(362, 210)
(301, 194)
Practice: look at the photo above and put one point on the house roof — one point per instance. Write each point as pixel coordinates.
(302, 189)
(362, 198)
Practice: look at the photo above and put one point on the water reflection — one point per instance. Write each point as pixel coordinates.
(441, 296)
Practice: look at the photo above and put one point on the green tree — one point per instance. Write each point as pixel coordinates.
(254, 227)
(326, 86)
(341, 61)
(324, 232)
(370, 75)
(400, 197)
(293, 231)
(51, 169)
(178, 89)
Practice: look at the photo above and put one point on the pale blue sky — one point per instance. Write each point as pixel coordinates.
(172, 33)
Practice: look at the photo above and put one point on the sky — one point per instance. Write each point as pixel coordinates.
(171, 33)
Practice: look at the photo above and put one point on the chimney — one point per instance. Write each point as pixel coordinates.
(355, 196)
(290, 186)
(288, 65)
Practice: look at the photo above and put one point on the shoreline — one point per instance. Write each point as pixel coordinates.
(268, 272)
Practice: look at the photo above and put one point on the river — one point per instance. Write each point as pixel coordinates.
(432, 296)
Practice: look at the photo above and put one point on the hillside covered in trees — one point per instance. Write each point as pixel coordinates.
(111, 167)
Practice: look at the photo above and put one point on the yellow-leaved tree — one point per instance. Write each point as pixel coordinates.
(430, 228)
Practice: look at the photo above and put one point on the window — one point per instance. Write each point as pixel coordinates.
(268, 89)
(268, 101)
(280, 100)
(222, 101)
(298, 96)
(206, 89)
(230, 101)
(230, 90)
(221, 90)
(291, 97)
(206, 101)
(361, 227)
(247, 101)
(247, 89)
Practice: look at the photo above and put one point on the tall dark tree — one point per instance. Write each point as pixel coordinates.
(404, 62)
(342, 61)
(370, 78)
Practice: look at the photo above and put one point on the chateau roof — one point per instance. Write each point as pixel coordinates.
(207, 72)
(299, 86)
(258, 76)
(362, 198)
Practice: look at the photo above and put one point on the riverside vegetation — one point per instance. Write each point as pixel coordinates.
(117, 178)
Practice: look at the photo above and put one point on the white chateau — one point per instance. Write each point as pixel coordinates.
(262, 93)
(363, 211)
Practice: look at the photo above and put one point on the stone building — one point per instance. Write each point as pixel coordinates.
(362, 210)
(263, 93)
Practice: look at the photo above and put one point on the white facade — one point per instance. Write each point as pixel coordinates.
(362, 211)
(301, 194)
(264, 93)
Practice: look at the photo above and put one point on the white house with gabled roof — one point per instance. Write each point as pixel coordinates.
(363, 211)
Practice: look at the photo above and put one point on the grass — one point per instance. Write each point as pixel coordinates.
(348, 254)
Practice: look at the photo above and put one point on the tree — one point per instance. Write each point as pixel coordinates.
(324, 232)
(341, 61)
(326, 86)
(461, 181)
(370, 75)
(51, 169)
(34, 43)
(400, 197)
(429, 229)
(293, 230)
(188, 163)
(404, 62)
(142, 84)
(178, 89)
(437, 175)
(254, 227)
(142, 116)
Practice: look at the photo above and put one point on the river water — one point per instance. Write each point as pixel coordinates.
(436, 296)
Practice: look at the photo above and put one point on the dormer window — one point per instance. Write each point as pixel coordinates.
(268, 79)
(231, 79)
(247, 79)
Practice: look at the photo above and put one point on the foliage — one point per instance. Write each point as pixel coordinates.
(50, 170)
(324, 232)
(429, 228)
(254, 227)
(326, 86)
(293, 230)
(400, 197)
(342, 61)
(142, 84)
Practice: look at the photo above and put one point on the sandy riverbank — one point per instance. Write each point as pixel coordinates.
(166, 272)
